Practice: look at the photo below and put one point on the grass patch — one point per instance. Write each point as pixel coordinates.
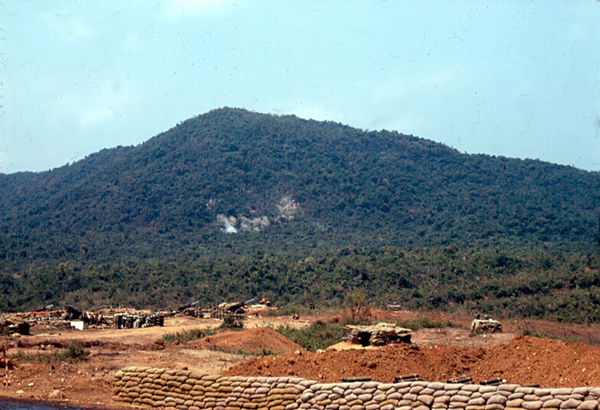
(319, 335)
(187, 335)
(264, 352)
(544, 335)
(425, 323)
(231, 323)
(284, 311)
(73, 353)
(267, 352)
(357, 321)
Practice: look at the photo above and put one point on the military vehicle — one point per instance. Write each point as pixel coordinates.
(487, 325)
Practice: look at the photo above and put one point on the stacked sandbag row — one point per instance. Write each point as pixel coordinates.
(419, 395)
(377, 335)
(187, 390)
(383, 337)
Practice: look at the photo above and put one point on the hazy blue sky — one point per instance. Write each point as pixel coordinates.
(513, 78)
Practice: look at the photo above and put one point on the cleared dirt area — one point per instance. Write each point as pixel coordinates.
(523, 361)
(89, 383)
(436, 354)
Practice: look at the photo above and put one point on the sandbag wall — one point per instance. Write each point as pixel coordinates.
(186, 390)
(126, 321)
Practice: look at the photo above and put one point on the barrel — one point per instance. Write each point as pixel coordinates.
(356, 379)
(464, 379)
(407, 378)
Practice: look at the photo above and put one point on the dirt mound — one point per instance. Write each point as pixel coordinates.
(546, 362)
(524, 361)
(251, 341)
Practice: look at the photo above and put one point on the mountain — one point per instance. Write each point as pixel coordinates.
(232, 183)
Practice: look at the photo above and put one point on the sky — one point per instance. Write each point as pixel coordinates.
(511, 78)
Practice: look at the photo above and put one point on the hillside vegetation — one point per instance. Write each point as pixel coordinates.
(233, 203)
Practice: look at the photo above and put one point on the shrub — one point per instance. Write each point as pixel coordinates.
(544, 335)
(187, 335)
(318, 335)
(284, 311)
(231, 323)
(73, 353)
(360, 312)
(240, 351)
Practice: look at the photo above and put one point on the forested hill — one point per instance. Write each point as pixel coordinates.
(231, 183)
(299, 183)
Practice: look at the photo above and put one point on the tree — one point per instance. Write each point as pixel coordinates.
(356, 302)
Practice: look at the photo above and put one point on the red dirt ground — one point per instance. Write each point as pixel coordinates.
(524, 361)
(438, 354)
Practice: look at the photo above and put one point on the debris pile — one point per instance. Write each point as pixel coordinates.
(377, 335)
(116, 318)
(12, 327)
(119, 318)
(48, 318)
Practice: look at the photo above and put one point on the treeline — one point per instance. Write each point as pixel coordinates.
(140, 225)
(550, 285)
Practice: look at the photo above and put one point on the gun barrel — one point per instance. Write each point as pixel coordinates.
(189, 305)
